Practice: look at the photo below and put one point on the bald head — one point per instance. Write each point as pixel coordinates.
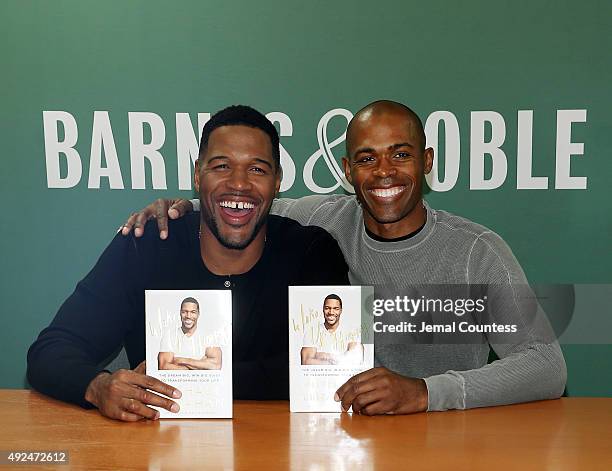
(370, 114)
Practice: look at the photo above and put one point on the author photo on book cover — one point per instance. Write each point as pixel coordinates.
(328, 343)
(184, 347)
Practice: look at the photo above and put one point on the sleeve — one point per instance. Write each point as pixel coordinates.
(308, 340)
(165, 345)
(530, 366)
(89, 326)
(304, 210)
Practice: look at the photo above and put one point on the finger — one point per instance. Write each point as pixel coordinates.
(180, 208)
(127, 226)
(146, 397)
(366, 375)
(126, 416)
(141, 368)
(141, 219)
(380, 407)
(154, 384)
(135, 407)
(356, 389)
(161, 214)
(361, 402)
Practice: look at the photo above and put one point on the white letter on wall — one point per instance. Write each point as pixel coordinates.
(524, 154)
(102, 137)
(139, 151)
(187, 146)
(286, 129)
(478, 149)
(53, 149)
(566, 148)
(451, 152)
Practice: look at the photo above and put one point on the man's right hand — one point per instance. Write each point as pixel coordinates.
(160, 209)
(126, 394)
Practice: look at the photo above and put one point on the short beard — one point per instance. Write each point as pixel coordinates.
(212, 225)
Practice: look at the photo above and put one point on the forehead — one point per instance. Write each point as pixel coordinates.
(379, 130)
(331, 302)
(238, 141)
(189, 306)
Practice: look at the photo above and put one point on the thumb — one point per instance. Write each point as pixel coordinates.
(142, 368)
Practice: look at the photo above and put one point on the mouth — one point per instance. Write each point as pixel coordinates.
(237, 211)
(387, 193)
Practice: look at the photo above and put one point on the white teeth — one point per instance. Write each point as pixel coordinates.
(388, 192)
(236, 205)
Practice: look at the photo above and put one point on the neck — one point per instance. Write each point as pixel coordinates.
(188, 331)
(223, 261)
(410, 223)
(331, 327)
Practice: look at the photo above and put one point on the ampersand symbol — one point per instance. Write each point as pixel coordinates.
(325, 151)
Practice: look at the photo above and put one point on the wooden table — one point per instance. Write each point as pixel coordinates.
(571, 433)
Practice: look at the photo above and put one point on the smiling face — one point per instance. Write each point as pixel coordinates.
(331, 311)
(386, 163)
(237, 179)
(189, 316)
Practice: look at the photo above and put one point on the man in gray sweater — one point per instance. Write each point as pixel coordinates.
(393, 240)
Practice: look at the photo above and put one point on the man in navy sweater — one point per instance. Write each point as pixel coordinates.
(231, 244)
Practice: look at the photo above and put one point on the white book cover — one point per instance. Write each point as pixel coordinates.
(330, 341)
(189, 346)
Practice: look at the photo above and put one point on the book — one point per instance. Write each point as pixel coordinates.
(189, 346)
(330, 341)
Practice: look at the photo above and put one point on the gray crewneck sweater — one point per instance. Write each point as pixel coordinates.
(448, 250)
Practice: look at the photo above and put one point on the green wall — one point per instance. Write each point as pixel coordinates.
(302, 59)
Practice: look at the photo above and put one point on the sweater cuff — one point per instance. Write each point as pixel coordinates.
(77, 387)
(445, 391)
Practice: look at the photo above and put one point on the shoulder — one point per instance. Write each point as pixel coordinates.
(465, 230)
(180, 232)
(317, 209)
(484, 247)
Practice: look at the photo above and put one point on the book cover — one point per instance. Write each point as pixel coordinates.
(189, 346)
(330, 341)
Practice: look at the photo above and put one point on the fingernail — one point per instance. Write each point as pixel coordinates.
(336, 397)
(163, 234)
(156, 416)
(176, 394)
(173, 213)
(175, 408)
(138, 232)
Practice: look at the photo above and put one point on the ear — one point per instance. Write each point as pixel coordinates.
(428, 157)
(347, 169)
(278, 179)
(196, 175)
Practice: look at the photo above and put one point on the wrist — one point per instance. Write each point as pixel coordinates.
(422, 396)
(92, 391)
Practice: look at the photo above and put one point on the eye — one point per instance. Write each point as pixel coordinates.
(220, 167)
(258, 170)
(402, 155)
(364, 159)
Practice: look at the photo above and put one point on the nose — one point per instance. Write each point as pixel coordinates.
(239, 180)
(384, 168)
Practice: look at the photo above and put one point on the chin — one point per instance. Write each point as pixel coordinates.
(236, 242)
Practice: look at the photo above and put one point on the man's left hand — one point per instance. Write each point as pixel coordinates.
(381, 391)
